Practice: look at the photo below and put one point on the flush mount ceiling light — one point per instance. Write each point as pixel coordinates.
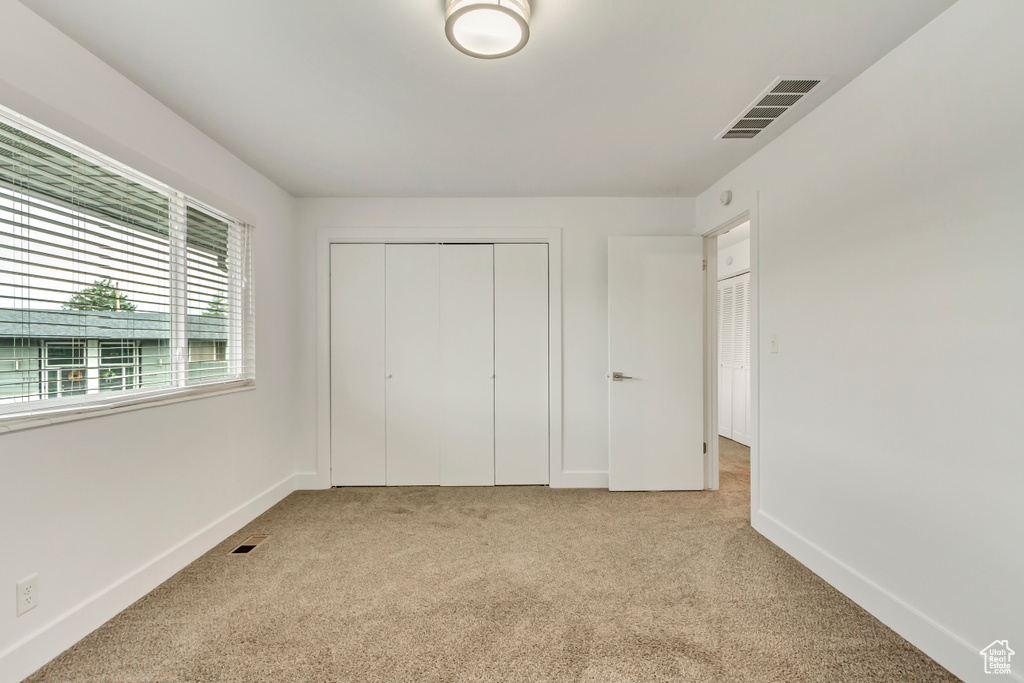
(488, 29)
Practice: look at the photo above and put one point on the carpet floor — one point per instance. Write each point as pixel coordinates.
(498, 584)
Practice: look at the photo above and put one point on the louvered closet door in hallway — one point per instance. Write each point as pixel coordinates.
(734, 358)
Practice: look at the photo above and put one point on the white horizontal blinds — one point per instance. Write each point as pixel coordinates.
(84, 279)
(215, 297)
(247, 305)
(179, 311)
(110, 282)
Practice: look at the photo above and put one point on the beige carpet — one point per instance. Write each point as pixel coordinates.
(498, 584)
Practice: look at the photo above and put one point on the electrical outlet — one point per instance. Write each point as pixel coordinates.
(28, 594)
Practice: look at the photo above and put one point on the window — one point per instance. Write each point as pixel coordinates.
(206, 351)
(64, 367)
(111, 283)
(208, 288)
(118, 365)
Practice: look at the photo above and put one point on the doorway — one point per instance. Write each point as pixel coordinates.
(734, 334)
(730, 344)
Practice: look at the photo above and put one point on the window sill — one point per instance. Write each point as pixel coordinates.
(17, 422)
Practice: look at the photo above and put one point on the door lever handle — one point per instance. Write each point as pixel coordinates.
(618, 377)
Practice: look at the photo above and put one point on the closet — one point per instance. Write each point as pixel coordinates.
(734, 358)
(439, 364)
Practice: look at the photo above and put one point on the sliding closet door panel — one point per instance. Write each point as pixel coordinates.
(521, 363)
(412, 364)
(467, 365)
(357, 365)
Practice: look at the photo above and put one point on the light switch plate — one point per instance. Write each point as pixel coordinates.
(773, 343)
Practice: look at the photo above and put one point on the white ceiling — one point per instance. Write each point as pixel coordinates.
(368, 98)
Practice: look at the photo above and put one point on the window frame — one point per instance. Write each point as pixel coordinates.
(80, 352)
(23, 414)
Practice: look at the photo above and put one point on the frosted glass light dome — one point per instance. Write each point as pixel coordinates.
(488, 29)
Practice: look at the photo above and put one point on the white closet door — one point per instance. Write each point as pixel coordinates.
(357, 365)
(734, 358)
(726, 344)
(467, 364)
(521, 364)
(413, 376)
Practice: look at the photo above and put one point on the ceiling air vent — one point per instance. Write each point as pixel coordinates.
(775, 101)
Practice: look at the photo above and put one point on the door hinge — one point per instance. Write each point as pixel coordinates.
(705, 447)
(704, 264)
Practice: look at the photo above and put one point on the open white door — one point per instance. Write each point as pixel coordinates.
(656, 363)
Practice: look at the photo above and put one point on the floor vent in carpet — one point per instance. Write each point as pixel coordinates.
(249, 544)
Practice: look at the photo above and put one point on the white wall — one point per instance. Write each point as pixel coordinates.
(586, 225)
(103, 509)
(740, 254)
(890, 440)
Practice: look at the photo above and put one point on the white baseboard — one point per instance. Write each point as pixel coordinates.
(583, 480)
(945, 647)
(311, 481)
(39, 647)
